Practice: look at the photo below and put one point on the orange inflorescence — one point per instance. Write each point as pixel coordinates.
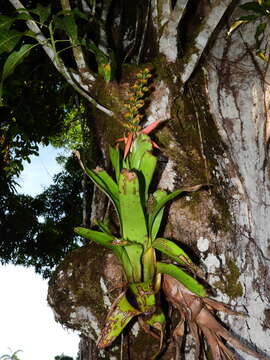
(136, 102)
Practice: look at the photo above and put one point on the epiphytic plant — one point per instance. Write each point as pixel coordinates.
(140, 215)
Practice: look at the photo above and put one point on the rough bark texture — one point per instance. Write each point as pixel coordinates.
(215, 132)
(239, 100)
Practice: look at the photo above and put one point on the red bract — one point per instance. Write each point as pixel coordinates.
(129, 139)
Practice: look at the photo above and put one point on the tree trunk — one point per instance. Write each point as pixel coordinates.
(215, 131)
(238, 86)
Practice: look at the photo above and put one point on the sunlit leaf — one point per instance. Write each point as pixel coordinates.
(261, 54)
(140, 145)
(149, 264)
(188, 281)
(100, 238)
(105, 71)
(172, 250)
(235, 25)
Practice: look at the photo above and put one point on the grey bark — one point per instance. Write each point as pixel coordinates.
(239, 99)
(237, 93)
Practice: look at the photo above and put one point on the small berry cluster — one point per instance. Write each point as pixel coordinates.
(136, 102)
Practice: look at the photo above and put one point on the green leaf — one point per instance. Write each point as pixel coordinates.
(164, 200)
(96, 236)
(101, 58)
(157, 320)
(104, 181)
(8, 40)
(14, 59)
(134, 254)
(132, 219)
(158, 195)
(80, 14)
(103, 225)
(149, 264)
(115, 160)
(105, 71)
(188, 281)
(259, 35)
(127, 260)
(172, 250)
(147, 169)
(235, 25)
(24, 16)
(70, 27)
(132, 214)
(249, 17)
(99, 238)
(260, 30)
(117, 319)
(5, 22)
(262, 55)
(104, 62)
(43, 12)
(253, 6)
(140, 145)
(30, 34)
(242, 20)
(144, 294)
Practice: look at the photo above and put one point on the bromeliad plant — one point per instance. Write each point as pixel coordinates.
(140, 215)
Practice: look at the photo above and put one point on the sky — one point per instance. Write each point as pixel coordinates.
(26, 320)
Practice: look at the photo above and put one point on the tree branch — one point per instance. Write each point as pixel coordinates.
(207, 28)
(78, 52)
(85, 7)
(58, 63)
(167, 28)
(179, 10)
(161, 13)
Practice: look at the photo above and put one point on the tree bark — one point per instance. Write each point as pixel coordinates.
(214, 104)
(238, 85)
